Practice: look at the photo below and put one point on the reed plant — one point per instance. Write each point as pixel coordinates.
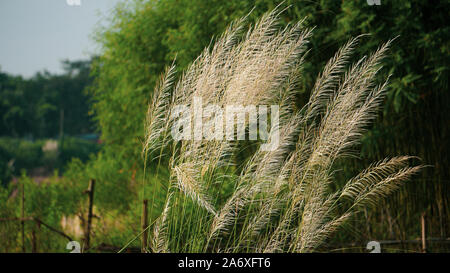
(281, 200)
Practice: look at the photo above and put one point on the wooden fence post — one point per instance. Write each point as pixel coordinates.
(33, 241)
(90, 192)
(144, 225)
(22, 223)
(38, 235)
(424, 235)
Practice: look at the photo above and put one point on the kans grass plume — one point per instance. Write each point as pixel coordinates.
(281, 200)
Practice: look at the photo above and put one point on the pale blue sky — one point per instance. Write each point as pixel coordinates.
(38, 34)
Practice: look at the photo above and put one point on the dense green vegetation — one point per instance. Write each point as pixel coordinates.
(17, 155)
(46, 105)
(146, 36)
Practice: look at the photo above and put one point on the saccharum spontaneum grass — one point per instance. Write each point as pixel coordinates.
(281, 200)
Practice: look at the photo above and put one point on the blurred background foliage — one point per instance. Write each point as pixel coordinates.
(146, 36)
